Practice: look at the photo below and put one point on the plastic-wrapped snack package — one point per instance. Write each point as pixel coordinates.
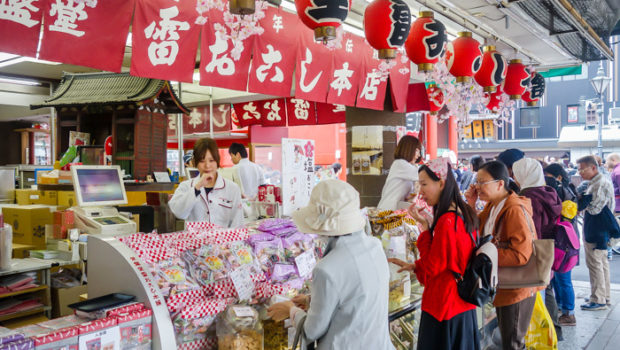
(283, 272)
(239, 327)
(283, 231)
(172, 277)
(268, 250)
(296, 244)
(193, 321)
(239, 254)
(269, 225)
(207, 264)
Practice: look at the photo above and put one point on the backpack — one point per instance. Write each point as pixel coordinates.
(566, 247)
(478, 283)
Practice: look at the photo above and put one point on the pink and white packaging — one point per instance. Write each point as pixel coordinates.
(24, 344)
(100, 334)
(63, 322)
(63, 339)
(136, 329)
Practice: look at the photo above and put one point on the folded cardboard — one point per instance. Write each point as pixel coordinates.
(66, 198)
(29, 196)
(28, 223)
(61, 297)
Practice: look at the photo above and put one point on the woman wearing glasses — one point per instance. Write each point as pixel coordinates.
(505, 216)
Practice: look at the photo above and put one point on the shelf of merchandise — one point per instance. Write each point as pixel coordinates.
(25, 291)
(42, 292)
(30, 312)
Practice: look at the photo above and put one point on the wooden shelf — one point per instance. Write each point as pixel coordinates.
(44, 131)
(24, 321)
(25, 291)
(25, 313)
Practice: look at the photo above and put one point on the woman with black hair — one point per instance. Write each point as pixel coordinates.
(556, 177)
(446, 245)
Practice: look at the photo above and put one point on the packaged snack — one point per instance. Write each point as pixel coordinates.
(283, 231)
(100, 334)
(61, 339)
(239, 254)
(283, 272)
(272, 224)
(24, 344)
(193, 322)
(9, 336)
(296, 244)
(135, 328)
(173, 278)
(207, 264)
(239, 327)
(268, 250)
(276, 335)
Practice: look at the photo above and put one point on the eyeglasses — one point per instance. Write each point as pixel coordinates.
(480, 184)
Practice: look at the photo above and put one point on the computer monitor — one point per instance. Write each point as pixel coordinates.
(98, 185)
(191, 173)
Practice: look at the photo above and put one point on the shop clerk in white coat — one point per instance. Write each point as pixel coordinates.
(251, 174)
(400, 184)
(208, 197)
(348, 309)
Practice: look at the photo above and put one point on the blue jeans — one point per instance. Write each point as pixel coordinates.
(564, 292)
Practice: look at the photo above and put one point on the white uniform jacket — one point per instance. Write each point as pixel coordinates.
(221, 206)
(398, 185)
(251, 175)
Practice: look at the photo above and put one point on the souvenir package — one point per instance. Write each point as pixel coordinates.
(207, 264)
(268, 250)
(239, 254)
(63, 339)
(239, 327)
(269, 225)
(283, 231)
(63, 322)
(297, 243)
(100, 334)
(283, 272)
(135, 328)
(24, 344)
(193, 322)
(9, 336)
(172, 277)
(394, 240)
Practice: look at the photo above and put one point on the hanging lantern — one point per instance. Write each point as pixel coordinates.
(241, 7)
(492, 69)
(435, 98)
(463, 57)
(386, 25)
(517, 79)
(494, 99)
(323, 16)
(535, 90)
(426, 41)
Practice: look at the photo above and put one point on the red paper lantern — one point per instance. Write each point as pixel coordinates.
(435, 98)
(494, 99)
(492, 70)
(517, 79)
(426, 41)
(323, 16)
(386, 25)
(463, 57)
(535, 90)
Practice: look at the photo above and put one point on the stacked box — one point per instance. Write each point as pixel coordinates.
(136, 329)
(100, 334)
(64, 339)
(28, 223)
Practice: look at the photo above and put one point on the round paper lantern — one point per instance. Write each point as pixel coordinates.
(386, 25)
(426, 41)
(323, 16)
(517, 79)
(463, 57)
(492, 69)
(241, 7)
(535, 90)
(435, 98)
(494, 99)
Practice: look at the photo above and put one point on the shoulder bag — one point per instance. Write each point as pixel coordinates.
(536, 272)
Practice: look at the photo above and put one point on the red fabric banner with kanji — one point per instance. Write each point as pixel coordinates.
(371, 91)
(347, 70)
(327, 113)
(20, 24)
(248, 113)
(85, 33)
(314, 63)
(199, 120)
(273, 112)
(273, 64)
(417, 99)
(400, 74)
(300, 112)
(164, 40)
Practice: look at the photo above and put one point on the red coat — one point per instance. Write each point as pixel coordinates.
(449, 250)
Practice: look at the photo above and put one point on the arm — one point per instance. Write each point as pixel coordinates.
(236, 219)
(599, 200)
(183, 200)
(516, 247)
(322, 306)
(615, 179)
(583, 201)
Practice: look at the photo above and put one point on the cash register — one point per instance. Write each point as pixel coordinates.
(97, 189)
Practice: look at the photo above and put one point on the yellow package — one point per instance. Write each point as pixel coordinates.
(541, 332)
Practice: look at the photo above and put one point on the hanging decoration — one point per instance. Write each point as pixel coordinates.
(241, 7)
(435, 98)
(535, 90)
(426, 41)
(492, 69)
(323, 16)
(494, 99)
(463, 57)
(386, 26)
(517, 79)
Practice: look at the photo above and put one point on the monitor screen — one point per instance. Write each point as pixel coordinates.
(530, 117)
(98, 185)
(192, 172)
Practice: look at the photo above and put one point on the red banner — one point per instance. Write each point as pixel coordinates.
(330, 114)
(218, 65)
(199, 119)
(371, 91)
(20, 25)
(84, 33)
(399, 82)
(417, 99)
(274, 53)
(248, 113)
(165, 39)
(273, 112)
(221, 117)
(300, 112)
(314, 62)
(171, 130)
(347, 70)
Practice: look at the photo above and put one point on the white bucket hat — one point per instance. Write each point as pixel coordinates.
(333, 210)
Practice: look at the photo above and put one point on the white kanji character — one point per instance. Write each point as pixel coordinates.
(270, 58)
(370, 89)
(274, 110)
(67, 14)
(342, 76)
(18, 11)
(172, 122)
(223, 109)
(250, 112)
(339, 108)
(224, 64)
(304, 70)
(375, 54)
(277, 23)
(349, 45)
(166, 51)
(195, 118)
(301, 108)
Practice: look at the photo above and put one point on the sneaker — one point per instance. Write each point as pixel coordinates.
(587, 300)
(567, 320)
(593, 307)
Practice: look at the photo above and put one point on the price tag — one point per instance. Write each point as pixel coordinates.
(243, 283)
(243, 311)
(305, 263)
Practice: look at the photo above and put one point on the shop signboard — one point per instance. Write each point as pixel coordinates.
(327, 113)
(297, 174)
(20, 25)
(248, 113)
(300, 112)
(273, 112)
(346, 70)
(199, 121)
(372, 86)
(478, 132)
(489, 129)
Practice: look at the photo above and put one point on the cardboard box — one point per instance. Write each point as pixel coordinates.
(28, 223)
(64, 220)
(66, 199)
(28, 196)
(61, 297)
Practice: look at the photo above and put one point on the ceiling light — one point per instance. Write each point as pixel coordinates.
(19, 81)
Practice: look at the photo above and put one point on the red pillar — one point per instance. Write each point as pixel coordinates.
(431, 135)
(453, 136)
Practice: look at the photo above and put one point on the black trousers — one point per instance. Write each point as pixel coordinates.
(513, 321)
(458, 333)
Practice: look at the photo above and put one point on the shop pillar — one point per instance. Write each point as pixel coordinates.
(453, 135)
(431, 135)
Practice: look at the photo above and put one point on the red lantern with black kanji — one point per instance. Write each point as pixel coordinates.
(323, 16)
(426, 41)
(494, 99)
(435, 98)
(463, 57)
(492, 69)
(517, 79)
(535, 90)
(386, 25)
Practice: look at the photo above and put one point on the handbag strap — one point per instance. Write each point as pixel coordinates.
(299, 333)
(528, 219)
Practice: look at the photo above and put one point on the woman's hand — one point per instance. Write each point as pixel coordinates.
(404, 266)
(471, 195)
(280, 311)
(302, 301)
(417, 214)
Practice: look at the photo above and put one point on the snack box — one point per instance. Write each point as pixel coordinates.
(101, 334)
(113, 311)
(63, 339)
(136, 330)
(9, 336)
(63, 322)
(24, 344)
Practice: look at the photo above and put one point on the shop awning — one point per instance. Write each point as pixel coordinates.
(111, 88)
(558, 72)
(579, 136)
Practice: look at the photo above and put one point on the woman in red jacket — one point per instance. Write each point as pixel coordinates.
(445, 245)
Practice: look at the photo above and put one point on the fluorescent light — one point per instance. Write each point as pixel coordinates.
(289, 6)
(6, 56)
(196, 76)
(19, 81)
(12, 61)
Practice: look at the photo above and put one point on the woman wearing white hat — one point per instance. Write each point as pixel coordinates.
(350, 285)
